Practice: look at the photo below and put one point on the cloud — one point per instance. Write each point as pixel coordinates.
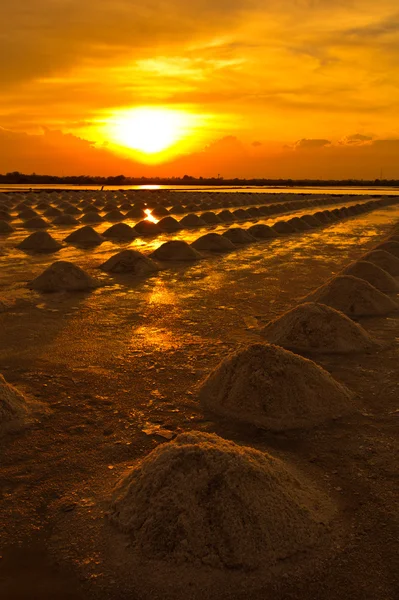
(305, 144)
(356, 139)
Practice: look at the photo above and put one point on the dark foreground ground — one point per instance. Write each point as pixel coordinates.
(127, 358)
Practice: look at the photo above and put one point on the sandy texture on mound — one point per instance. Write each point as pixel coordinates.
(40, 241)
(392, 247)
(239, 236)
(384, 260)
(85, 235)
(130, 261)
(16, 411)
(316, 328)
(120, 231)
(353, 296)
(203, 499)
(5, 227)
(176, 250)
(213, 242)
(272, 388)
(376, 276)
(63, 276)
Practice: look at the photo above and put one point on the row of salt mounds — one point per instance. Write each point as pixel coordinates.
(130, 261)
(16, 411)
(269, 387)
(63, 276)
(316, 328)
(353, 296)
(379, 278)
(203, 499)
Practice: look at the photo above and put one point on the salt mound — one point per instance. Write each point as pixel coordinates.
(376, 276)
(272, 388)
(65, 220)
(169, 224)
(192, 220)
(28, 213)
(147, 228)
(214, 243)
(130, 261)
(392, 247)
(353, 296)
(114, 215)
(5, 228)
(36, 223)
(240, 215)
(311, 220)
(226, 215)
(284, 227)
(52, 212)
(239, 236)
(14, 409)
(384, 260)
(211, 218)
(91, 217)
(85, 235)
(135, 213)
(120, 231)
(317, 328)
(40, 241)
(204, 499)
(298, 224)
(63, 276)
(176, 250)
(262, 232)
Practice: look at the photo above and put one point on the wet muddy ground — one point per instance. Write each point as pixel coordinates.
(119, 367)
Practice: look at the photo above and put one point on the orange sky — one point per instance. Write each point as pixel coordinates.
(244, 88)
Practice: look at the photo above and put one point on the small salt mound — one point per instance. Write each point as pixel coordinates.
(226, 215)
(5, 228)
(169, 224)
(316, 328)
(192, 220)
(63, 276)
(28, 213)
(36, 223)
(376, 276)
(40, 241)
(284, 227)
(14, 408)
(114, 215)
(236, 235)
(120, 231)
(322, 217)
(240, 215)
(214, 243)
(393, 238)
(130, 261)
(392, 247)
(135, 213)
(353, 296)
(311, 220)
(71, 210)
(261, 231)
(384, 260)
(211, 218)
(52, 212)
(203, 499)
(147, 228)
(160, 211)
(85, 235)
(65, 220)
(298, 224)
(176, 250)
(91, 217)
(5, 216)
(272, 388)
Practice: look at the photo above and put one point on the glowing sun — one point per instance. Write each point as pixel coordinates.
(149, 130)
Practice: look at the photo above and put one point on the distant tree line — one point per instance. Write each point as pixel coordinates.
(21, 178)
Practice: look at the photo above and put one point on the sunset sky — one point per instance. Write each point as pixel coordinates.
(241, 88)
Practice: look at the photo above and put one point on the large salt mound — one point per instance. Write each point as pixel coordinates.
(85, 235)
(130, 261)
(378, 277)
(63, 276)
(16, 411)
(176, 250)
(353, 296)
(214, 243)
(316, 328)
(40, 241)
(272, 388)
(392, 247)
(384, 260)
(239, 236)
(120, 231)
(203, 499)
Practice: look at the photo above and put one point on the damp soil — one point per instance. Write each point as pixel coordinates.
(119, 368)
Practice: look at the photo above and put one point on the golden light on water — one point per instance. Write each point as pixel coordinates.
(150, 130)
(150, 216)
